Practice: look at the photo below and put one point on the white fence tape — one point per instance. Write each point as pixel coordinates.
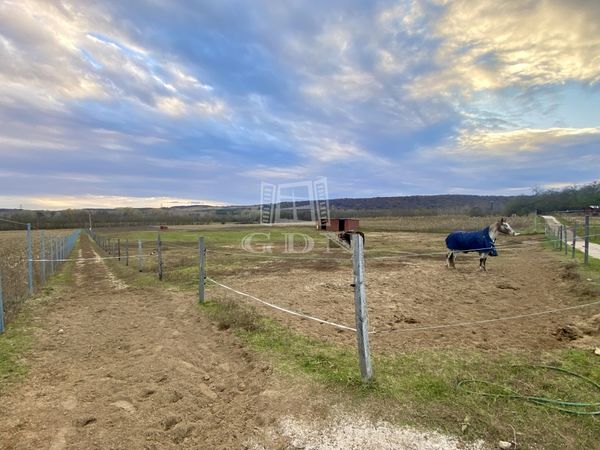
(279, 308)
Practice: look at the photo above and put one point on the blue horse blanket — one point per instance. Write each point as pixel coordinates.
(471, 241)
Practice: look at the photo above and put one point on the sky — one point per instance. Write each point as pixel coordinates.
(174, 102)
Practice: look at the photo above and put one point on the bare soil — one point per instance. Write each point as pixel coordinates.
(405, 294)
(115, 367)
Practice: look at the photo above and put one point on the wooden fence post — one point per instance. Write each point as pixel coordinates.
(574, 240)
(202, 269)
(560, 238)
(159, 256)
(1, 307)
(126, 252)
(360, 306)
(566, 238)
(139, 255)
(29, 259)
(586, 231)
(119, 249)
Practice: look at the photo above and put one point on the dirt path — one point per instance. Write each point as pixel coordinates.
(579, 244)
(118, 367)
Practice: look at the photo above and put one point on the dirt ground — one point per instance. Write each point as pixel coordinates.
(121, 368)
(405, 294)
(118, 367)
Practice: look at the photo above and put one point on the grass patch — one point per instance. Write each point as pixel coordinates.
(420, 388)
(15, 340)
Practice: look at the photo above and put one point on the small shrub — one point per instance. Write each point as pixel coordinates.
(230, 314)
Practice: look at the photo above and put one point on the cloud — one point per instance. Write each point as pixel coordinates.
(492, 45)
(177, 99)
(507, 144)
(99, 202)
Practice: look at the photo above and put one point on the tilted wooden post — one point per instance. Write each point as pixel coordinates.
(159, 258)
(1, 307)
(360, 306)
(202, 269)
(126, 252)
(586, 231)
(574, 240)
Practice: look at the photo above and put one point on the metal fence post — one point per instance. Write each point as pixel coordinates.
(566, 238)
(29, 259)
(586, 231)
(574, 240)
(139, 255)
(119, 249)
(1, 307)
(202, 269)
(126, 252)
(42, 256)
(560, 238)
(360, 306)
(159, 256)
(51, 255)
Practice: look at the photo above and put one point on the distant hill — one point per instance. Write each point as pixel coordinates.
(425, 204)
(201, 214)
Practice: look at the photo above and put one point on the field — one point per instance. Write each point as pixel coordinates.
(431, 327)
(406, 290)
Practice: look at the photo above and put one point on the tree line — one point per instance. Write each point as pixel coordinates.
(567, 199)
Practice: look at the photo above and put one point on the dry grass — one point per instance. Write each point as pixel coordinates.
(443, 224)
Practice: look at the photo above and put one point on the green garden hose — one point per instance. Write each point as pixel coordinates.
(579, 408)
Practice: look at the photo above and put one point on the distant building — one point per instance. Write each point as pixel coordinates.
(592, 210)
(338, 224)
(164, 227)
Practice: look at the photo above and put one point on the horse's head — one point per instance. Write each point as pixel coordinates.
(503, 227)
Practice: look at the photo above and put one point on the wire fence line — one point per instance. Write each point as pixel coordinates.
(280, 308)
(487, 321)
(158, 248)
(563, 236)
(27, 260)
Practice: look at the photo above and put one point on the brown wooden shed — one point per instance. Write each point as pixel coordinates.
(339, 224)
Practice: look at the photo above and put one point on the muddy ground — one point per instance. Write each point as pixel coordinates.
(407, 293)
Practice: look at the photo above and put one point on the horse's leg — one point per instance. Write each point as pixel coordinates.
(482, 258)
(452, 259)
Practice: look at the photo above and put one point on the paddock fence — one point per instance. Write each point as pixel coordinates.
(201, 264)
(571, 234)
(28, 259)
